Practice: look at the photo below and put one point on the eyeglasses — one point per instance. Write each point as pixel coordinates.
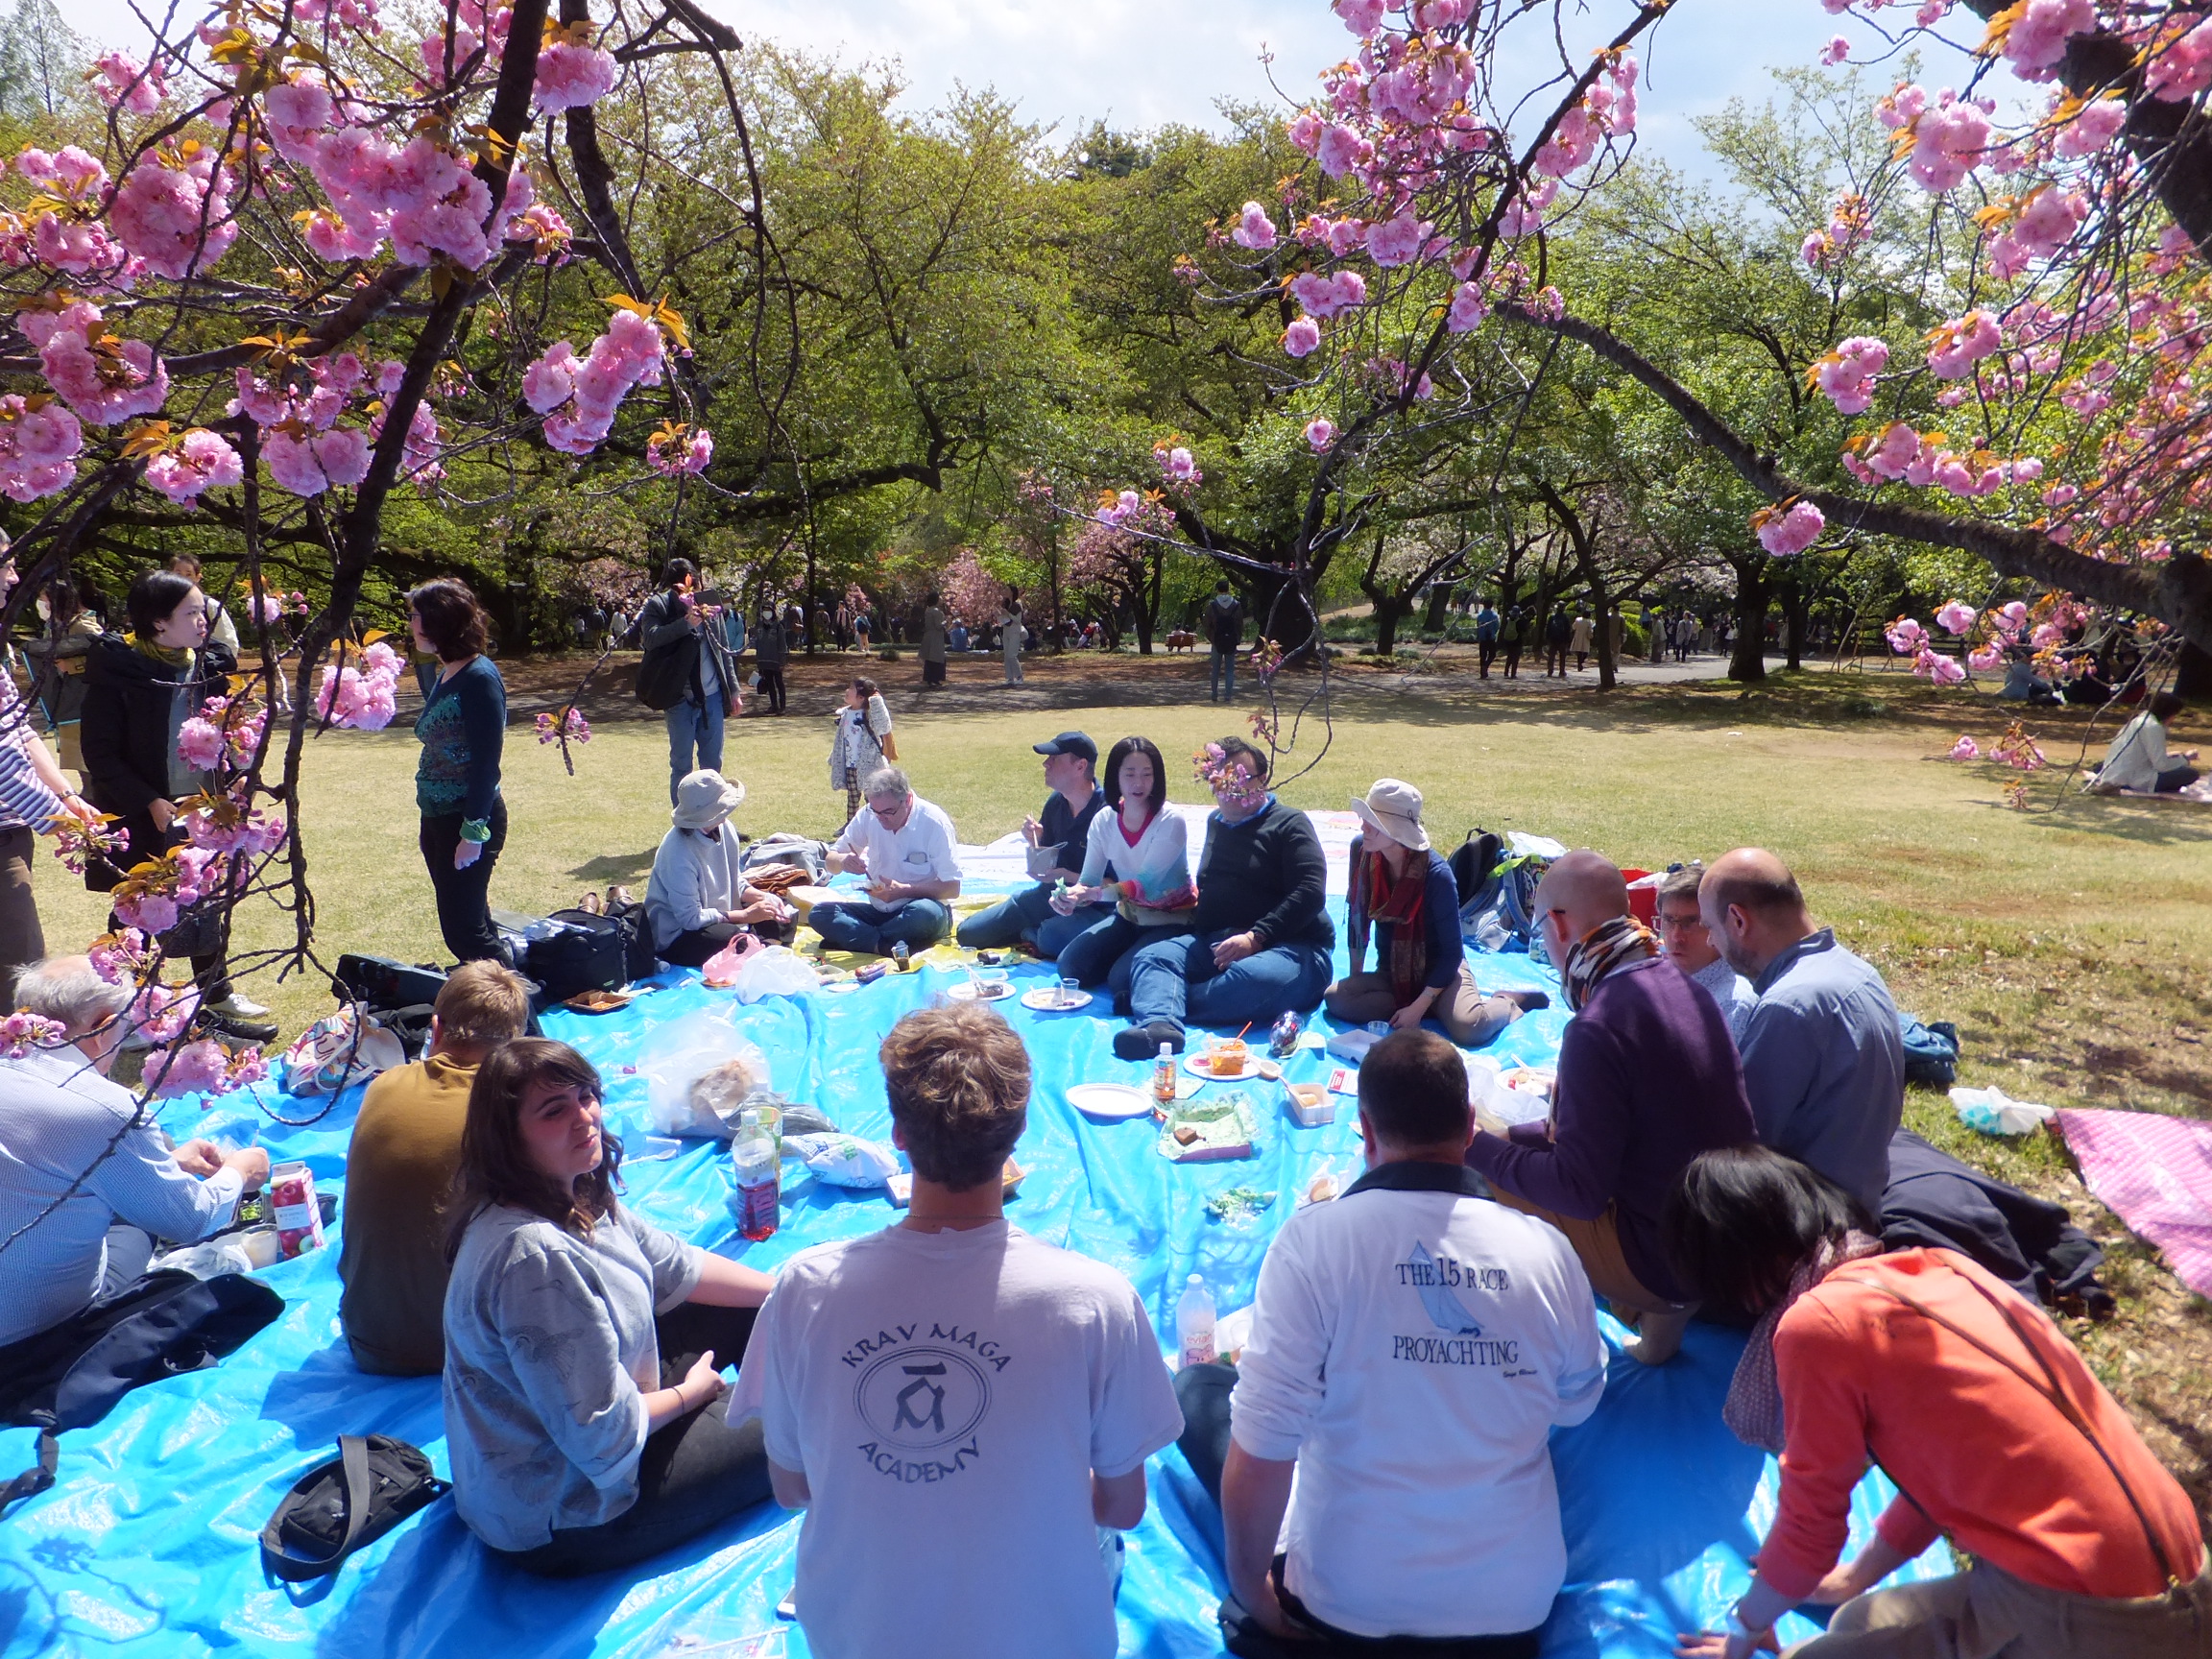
(887, 814)
(1679, 924)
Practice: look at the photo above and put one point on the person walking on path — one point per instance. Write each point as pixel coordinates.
(1486, 637)
(1579, 642)
(1513, 635)
(771, 650)
(1224, 627)
(1557, 631)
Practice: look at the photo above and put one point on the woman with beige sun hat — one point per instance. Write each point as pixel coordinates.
(699, 900)
(1404, 895)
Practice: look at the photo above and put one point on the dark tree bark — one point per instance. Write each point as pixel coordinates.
(1747, 656)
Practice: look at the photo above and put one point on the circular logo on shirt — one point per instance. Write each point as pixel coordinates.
(920, 1398)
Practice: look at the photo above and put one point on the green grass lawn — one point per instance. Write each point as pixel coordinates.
(2066, 941)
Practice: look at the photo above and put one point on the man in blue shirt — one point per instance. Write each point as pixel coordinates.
(1058, 834)
(676, 621)
(1823, 1063)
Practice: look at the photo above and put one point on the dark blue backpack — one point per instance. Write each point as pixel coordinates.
(1931, 1051)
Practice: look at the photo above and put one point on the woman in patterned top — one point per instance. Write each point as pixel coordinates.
(463, 723)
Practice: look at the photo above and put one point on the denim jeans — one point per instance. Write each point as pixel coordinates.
(693, 726)
(1028, 917)
(1174, 981)
(1091, 956)
(1222, 667)
(873, 929)
(465, 895)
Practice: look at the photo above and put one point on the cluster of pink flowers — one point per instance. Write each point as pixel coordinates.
(39, 443)
(579, 395)
(1931, 664)
(1943, 141)
(1957, 345)
(271, 609)
(362, 698)
(77, 843)
(1906, 637)
(1254, 229)
(67, 231)
(193, 463)
(161, 1012)
(221, 735)
(1320, 433)
(228, 829)
(1850, 221)
(122, 957)
(572, 73)
(1786, 532)
(171, 210)
(1177, 467)
(1846, 375)
(124, 82)
(21, 1032)
(197, 1068)
(2180, 62)
(2034, 39)
(577, 727)
(2023, 230)
(675, 451)
(103, 379)
(1920, 459)
(1966, 749)
(2018, 749)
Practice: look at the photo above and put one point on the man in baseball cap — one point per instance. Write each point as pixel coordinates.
(1056, 839)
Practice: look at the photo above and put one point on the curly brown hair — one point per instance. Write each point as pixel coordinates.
(452, 621)
(495, 1167)
(959, 1083)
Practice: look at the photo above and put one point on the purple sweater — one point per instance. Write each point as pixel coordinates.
(1648, 1079)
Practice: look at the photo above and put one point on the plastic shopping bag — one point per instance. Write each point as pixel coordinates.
(701, 1067)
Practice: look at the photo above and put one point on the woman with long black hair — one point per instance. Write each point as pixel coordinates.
(463, 726)
(139, 690)
(2082, 1544)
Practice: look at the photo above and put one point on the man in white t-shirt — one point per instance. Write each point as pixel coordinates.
(1413, 1345)
(906, 846)
(957, 1407)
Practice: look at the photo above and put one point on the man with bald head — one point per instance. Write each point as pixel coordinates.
(1822, 1060)
(1648, 1080)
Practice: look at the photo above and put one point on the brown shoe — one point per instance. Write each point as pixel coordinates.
(619, 898)
(589, 904)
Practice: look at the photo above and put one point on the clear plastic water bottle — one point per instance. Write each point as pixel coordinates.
(1194, 1322)
(1163, 1078)
(759, 1176)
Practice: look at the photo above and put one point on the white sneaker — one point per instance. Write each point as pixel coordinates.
(242, 1008)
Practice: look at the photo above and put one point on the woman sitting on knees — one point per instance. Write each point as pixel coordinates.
(2082, 1546)
(1139, 855)
(581, 1344)
(1402, 891)
(698, 899)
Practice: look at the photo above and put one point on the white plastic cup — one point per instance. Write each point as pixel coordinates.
(260, 1245)
(1069, 990)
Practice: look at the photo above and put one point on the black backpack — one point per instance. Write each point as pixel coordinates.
(345, 1504)
(71, 1376)
(1475, 870)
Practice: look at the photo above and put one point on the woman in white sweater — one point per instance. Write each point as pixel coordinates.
(863, 742)
(1139, 856)
(698, 899)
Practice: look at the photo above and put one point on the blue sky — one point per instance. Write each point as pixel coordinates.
(1142, 62)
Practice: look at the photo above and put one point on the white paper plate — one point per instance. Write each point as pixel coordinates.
(1045, 999)
(968, 991)
(1195, 1065)
(1115, 1101)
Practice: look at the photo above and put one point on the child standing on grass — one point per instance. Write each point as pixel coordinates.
(863, 742)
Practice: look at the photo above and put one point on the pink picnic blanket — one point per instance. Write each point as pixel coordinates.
(2155, 1174)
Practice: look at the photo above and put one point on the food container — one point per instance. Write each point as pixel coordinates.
(292, 1205)
(1226, 1058)
(1309, 1103)
(261, 1246)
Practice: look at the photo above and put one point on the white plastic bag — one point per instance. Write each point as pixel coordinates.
(775, 972)
(842, 1160)
(1995, 1113)
(698, 1063)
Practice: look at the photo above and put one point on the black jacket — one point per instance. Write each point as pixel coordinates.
(1266, 875)
(1224, 620)
(665, 626)
(134, 705)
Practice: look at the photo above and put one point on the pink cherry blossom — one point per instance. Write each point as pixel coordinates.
(149, 913)
(197, 463)
(157, 215)
(1846, 375)
(675, 455)
(2183, 69)
(1956, 617)
(1936, 668)
(120, 957)
(1320, 433)
(39, 448)
(2039, 31)
(1301, 336)
(1984, 658)
(1342, 150)
(2092, 130)
(1786, 534)
(1906, 637)
(1837, 51)
(104, 379)
(1397, 241)
(1950, 140)
(1362, 17)
(1254, 229)
(1304, 131)
(200, 745)
(124, 82)
(1966, 749)
(1468, 308)
(196, 1069)
(572, 77)
(1956, 346)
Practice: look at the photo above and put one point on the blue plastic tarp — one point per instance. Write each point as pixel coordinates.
(148, 1546)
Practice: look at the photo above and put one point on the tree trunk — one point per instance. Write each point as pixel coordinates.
(1796, 612)
(1747, 661)
(2193, 675)
(1388, 608)
(1439, 604)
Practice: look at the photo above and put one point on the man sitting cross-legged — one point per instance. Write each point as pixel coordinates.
(1262, 938)
(1647, 1079)
(956, 1406)
(1413, 1345)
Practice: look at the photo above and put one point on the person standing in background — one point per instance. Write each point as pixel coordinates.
(677, 622)
(1513, 635)
(221, 630)
(933, 642)
(1224, 627)
(1485, 637)
(771, 650)
(463, 727)
(1011, 629)
(863, 740)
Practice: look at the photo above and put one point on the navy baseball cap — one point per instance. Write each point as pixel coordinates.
(1070, 743)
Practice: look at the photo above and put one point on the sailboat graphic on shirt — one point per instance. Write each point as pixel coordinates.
(1444, 1309)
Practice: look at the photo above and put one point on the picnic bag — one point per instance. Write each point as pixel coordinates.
(587, 953)
(347, 1503)
(72, 1375)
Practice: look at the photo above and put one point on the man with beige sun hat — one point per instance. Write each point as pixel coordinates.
(1402, 894)
(699, 898)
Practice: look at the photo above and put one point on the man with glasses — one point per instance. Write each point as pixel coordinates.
(1648, 1080)
(905, 847)
(1683, 937)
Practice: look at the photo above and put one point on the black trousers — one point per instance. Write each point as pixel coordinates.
(772, 685)
(1203, 1392)
(463, 896)
(693, 949)
(694, 1473)
(1487, 651)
